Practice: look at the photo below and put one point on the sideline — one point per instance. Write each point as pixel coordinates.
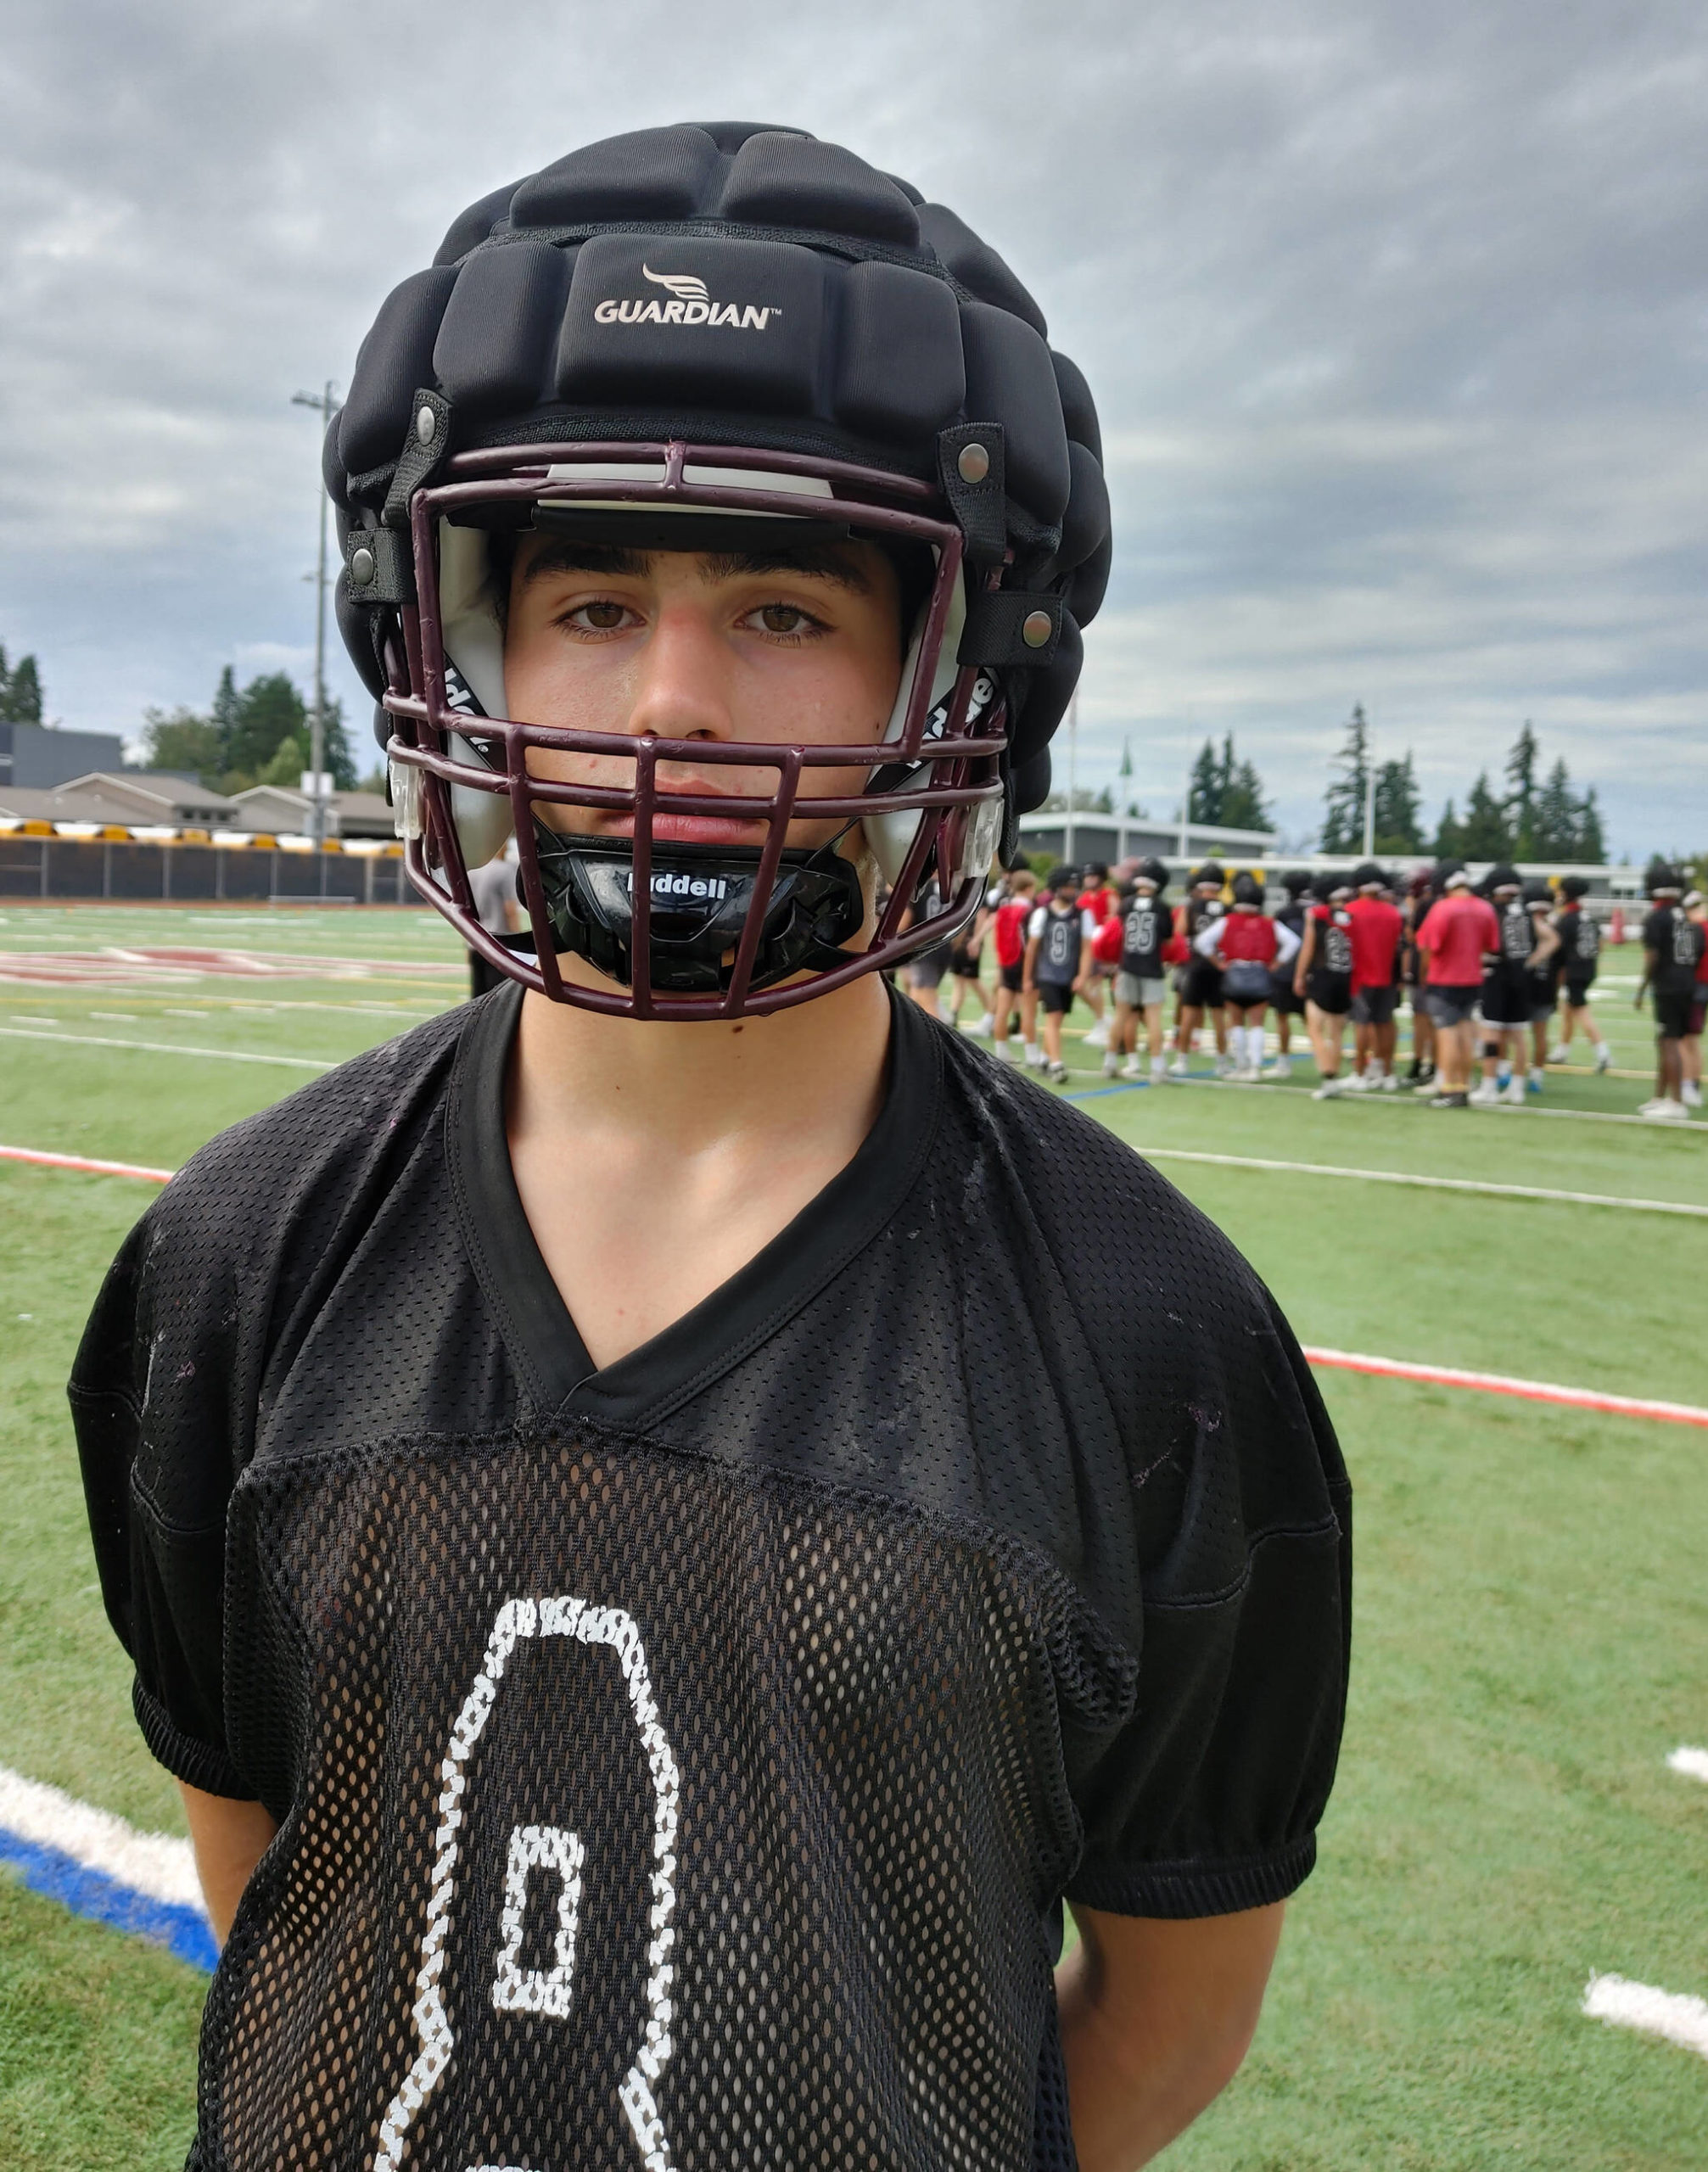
(97, 1866)
(170, 1048)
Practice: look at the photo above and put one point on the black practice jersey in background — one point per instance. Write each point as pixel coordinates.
(1677, 941)
(680, 1765)
(1517, 936)
(1058, 946)
(1580, 943)
(1144, 928)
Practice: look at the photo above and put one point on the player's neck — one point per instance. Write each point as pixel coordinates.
(688, 1086)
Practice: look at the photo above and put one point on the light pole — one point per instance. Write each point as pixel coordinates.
(326, 406)
(1072, 774)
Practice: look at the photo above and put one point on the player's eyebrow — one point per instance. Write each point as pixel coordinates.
(820, 561)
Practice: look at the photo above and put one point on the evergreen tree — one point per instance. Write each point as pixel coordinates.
(269, 711)
(225, 717)
(1520, 805)
(1448, 844)
(1484, 834)
(1554, 818)
(1204, 796)
(1244, 805)
(20, 691)
(1588, 846)
(339, 759)
(1343, 802)
(1398, 811)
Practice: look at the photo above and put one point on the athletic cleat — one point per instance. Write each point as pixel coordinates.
(1485, 1096)
(1603, 1057)
(1691, 1093)
(1331, 1090)
(1056, 1073)
(1358, 1083)
(1035, 1057)
(1132, 1068)
(1282, 1068)
(1532, 1082)
(1514, 1092)
(1225, 1066)
(1097, 1036)
(1560, 1053)
(1177, 1068)
(1388, 1083)
(1447, 1101)
(1663, 1109)
(1111, 1064)
(981, 1029)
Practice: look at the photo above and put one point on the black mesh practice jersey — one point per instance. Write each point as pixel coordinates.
(1579, 943)
(681, 1765)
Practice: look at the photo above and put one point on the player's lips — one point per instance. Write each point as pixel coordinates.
(689, 828)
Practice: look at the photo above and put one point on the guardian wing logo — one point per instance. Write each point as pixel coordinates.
(682, 284)
(689, 304)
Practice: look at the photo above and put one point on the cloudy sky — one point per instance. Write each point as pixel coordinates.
(1396, 316)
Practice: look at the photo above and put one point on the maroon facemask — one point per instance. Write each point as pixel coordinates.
(678, 929)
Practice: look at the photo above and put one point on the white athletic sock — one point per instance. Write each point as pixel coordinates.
(1375, 1068)
(1159, 1064)
(1254, 1047)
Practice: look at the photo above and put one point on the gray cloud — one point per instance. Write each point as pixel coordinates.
(1397, 323)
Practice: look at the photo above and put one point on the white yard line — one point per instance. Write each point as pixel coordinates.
(1675, 2016)
(153, 1863)
(173, 1047)
(1693, 1763)
(1425, 1184)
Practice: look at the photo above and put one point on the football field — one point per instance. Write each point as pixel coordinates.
(1530, 1641)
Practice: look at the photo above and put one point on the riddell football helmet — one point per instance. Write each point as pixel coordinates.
(728, 339)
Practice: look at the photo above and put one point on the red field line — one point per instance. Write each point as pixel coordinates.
(1450, 1376)
(1342, 1361)
(83, 1161)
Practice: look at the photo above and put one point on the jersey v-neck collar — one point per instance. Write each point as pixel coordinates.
(737, 1316)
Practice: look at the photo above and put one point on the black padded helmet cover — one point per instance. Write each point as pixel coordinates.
(740, 285)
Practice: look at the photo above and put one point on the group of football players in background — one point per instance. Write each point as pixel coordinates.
(1491, 972)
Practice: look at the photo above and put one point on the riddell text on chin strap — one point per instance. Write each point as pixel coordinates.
(701, 896)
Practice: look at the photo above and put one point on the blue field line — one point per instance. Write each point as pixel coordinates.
(181, 1930)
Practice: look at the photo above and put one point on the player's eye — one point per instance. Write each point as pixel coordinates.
(784, 621)
(603, 614)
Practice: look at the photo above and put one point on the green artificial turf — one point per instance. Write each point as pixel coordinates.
(97, 2045)
(1532, 1623)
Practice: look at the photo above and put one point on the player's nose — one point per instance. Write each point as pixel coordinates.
(681, 688)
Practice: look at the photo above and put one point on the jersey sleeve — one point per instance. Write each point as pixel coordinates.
(1207, 1798)
(161, 1435)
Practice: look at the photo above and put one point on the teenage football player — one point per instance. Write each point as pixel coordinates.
(1580, 948)
(1674, 945)
(1248, 946)
(1323, 978)
(658, 1518)
(1287, 1005)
